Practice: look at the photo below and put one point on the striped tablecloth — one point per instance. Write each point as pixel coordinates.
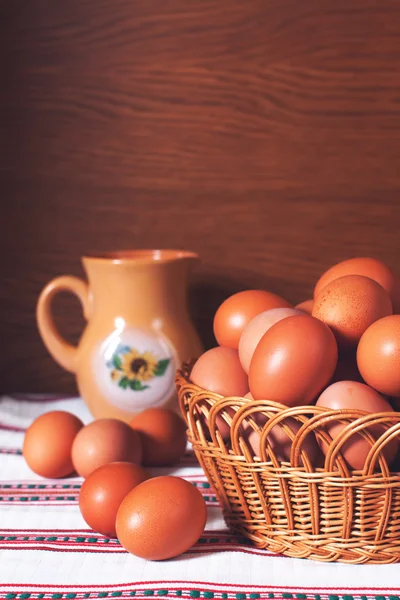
(47, 550)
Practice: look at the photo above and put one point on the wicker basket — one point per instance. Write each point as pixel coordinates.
(328, 513)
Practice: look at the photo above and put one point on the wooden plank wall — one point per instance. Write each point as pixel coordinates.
(263, 134)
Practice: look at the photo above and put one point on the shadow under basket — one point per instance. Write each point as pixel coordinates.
(298, 507)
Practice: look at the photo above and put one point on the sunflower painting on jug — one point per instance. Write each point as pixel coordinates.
(132, 369)
(135, 369)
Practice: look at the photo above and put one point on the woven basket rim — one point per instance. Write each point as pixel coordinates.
(364, 418)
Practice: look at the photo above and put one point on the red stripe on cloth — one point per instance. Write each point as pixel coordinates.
(189, 460)
(110, 549)
(88, 531)
(204, 592)
(200, 586)
(15, 428)
(93, 549)
(64, 550)
(39, 503)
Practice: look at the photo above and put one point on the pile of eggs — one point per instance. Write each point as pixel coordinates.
(118, 497)
(339, 350)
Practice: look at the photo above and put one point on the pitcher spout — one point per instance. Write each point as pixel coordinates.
(139, 282)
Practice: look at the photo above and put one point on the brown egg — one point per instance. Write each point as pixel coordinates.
(219, 370)
(102, 442)
(220, 424)
(306, 306)
(355, 395)
(238, 310)
(48, 442)
(254, 331)
(378, 355)
(163, 436)
(349, 305)
(293, 362)
(161, 518)
(368, 267)
(280, 441)
(103, 491)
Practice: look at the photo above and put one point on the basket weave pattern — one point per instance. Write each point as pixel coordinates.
(326, 513)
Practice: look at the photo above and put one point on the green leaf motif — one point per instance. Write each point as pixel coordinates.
(162, 366)
(117, 362)
(137, 386)
(124, 383)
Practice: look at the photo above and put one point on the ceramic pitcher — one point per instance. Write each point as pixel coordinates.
(138, 329)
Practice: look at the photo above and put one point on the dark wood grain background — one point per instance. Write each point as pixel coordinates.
(264, 135)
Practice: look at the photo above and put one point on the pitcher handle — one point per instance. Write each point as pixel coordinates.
(62, 351)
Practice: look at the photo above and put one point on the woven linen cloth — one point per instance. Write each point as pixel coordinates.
(48, 551)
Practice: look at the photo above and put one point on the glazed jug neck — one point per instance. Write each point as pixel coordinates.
(139, 287)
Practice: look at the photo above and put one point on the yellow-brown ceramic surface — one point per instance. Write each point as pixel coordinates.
(138, 330)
